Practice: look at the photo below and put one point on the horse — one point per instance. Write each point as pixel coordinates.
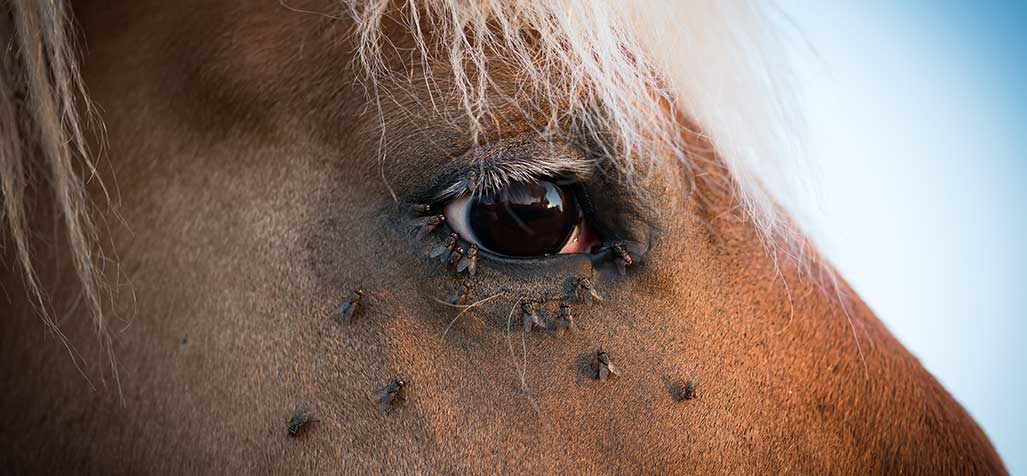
(278, 237)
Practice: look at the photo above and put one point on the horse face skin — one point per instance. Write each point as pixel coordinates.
(250, 202)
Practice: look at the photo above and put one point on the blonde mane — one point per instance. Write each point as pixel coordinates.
(43, 149)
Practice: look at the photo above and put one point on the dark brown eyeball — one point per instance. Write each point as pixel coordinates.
(521, 220)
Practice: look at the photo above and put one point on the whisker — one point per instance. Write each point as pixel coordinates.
(466, 307)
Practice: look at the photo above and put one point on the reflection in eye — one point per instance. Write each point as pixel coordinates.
(523, 220)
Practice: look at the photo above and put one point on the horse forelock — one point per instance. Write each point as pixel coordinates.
(44, 116)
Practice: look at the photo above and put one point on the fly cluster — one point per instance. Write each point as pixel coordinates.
(450, 249)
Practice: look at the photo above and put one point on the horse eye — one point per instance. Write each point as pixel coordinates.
(522, 220)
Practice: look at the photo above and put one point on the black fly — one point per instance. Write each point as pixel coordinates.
(683, 392)
(566, 321)
(299, 420)
(469, 262)
(689, 391)
(456, 256)
(531, 319)
(470, 181)
(426, 225)
(622, 253)
(443, 249)
(349, 307)
(621, 258)
(393, 393)
(605, 367)
(586, 291)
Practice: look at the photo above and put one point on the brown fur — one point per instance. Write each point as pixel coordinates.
(246, 159)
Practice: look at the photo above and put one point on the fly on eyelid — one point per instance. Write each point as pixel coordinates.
(422, 208)
(426, 225)
(586, 292)
(456, 256)
(530, 316)
(566, 320)
(470, 181)
(348, 309)
(621, 258)
(621, 255)
(393, 393)
(442, 249)
(469, 261)
(605, 366)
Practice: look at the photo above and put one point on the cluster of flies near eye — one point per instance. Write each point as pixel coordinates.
(462, 257)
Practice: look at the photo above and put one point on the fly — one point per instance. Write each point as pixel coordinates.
(586, 291)
(469, 262)
(300, 419)
(470, 181)
(606, 368)
(443, 249)
(566, 320)
(394, 392)
(689, 391)
(456, 256)
(531, 319)
(426, 225)
(684, 392)
(621, 258)
(622, 254)
(349, 307)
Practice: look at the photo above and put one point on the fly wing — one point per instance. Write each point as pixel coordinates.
(426, 225)
(385, 397)
(622, 266)
(584, 295)
(472, 267)
(423, 228)
(439, 249)
(465, 262)
(612, 369)
(347, 313)
(604, 372)
(456, 256)
(346, 310)
(527, 322)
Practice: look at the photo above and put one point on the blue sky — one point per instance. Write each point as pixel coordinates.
(917, 113)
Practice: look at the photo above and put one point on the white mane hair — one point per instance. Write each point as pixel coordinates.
(627, 71)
